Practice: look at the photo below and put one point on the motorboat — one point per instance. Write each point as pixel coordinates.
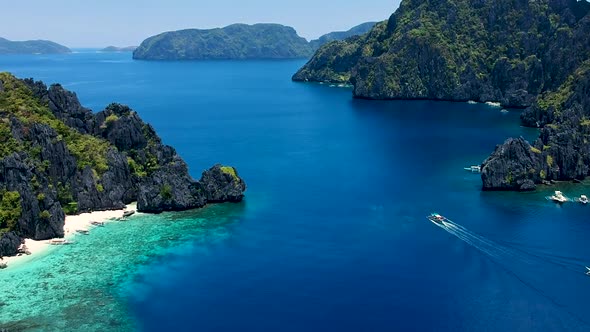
(588, 272)
(583, 199)
(474, 169)
(437, 218)
(558, 197)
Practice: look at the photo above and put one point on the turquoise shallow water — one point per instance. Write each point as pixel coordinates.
(332, 235)
(83, 286)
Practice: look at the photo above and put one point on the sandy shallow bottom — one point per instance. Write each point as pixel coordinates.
(71, 225)
(84, 286)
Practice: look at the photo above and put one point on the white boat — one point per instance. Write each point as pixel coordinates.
(558, 197)
(588, 272)
(582, 199)
(471, 102)
(474, 169)
(437, 218)
(504, 110)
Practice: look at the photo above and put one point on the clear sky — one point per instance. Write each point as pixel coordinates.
(99, 23)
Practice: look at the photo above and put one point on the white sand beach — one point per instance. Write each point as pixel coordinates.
(71, 226)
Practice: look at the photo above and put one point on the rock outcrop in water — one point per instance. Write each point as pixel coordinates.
(111, 49)
(502, 50)
(562, 151)
(526, 54)
(59, 158)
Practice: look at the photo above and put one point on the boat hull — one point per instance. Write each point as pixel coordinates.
(438, 221)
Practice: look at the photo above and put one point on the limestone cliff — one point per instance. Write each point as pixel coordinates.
(58, 158)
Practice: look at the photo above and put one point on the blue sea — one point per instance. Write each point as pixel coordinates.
(332, 235)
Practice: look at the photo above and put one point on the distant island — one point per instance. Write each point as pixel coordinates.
(31, 47)
(119, 49)
(236, 41)
(58, 158)
(524, 54)
(360, 29)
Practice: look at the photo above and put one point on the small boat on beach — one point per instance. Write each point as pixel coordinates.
(473, 169)
(59, 242)
(558, 197)
(437, 218)
(83, 231)
(97, 223)
(128, 213)
(582, 199)
(22, 249)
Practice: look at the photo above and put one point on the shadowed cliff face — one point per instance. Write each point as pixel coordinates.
(562, 151)
(58, 157)
(526, 54)
(483, 50)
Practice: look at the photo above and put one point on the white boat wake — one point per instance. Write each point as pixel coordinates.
(512, 257)
(483, 244)
(503, 254)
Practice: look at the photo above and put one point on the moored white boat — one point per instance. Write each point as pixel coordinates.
(558, 197)
(582, 199)
(474, 169)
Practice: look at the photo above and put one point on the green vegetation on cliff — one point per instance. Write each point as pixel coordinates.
(10, 210)
(236, 41)
(501, 50)
(358, 30)
(528, 54)
(562, 151)
(57, 158)
(18, 101)
(31, 47)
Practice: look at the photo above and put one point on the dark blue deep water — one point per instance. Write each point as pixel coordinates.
(332, 235)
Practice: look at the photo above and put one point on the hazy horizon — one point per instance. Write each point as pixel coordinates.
(110, 22)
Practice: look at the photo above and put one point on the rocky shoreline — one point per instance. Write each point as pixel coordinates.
(61, 158)
(529, 55)
(562, 151)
